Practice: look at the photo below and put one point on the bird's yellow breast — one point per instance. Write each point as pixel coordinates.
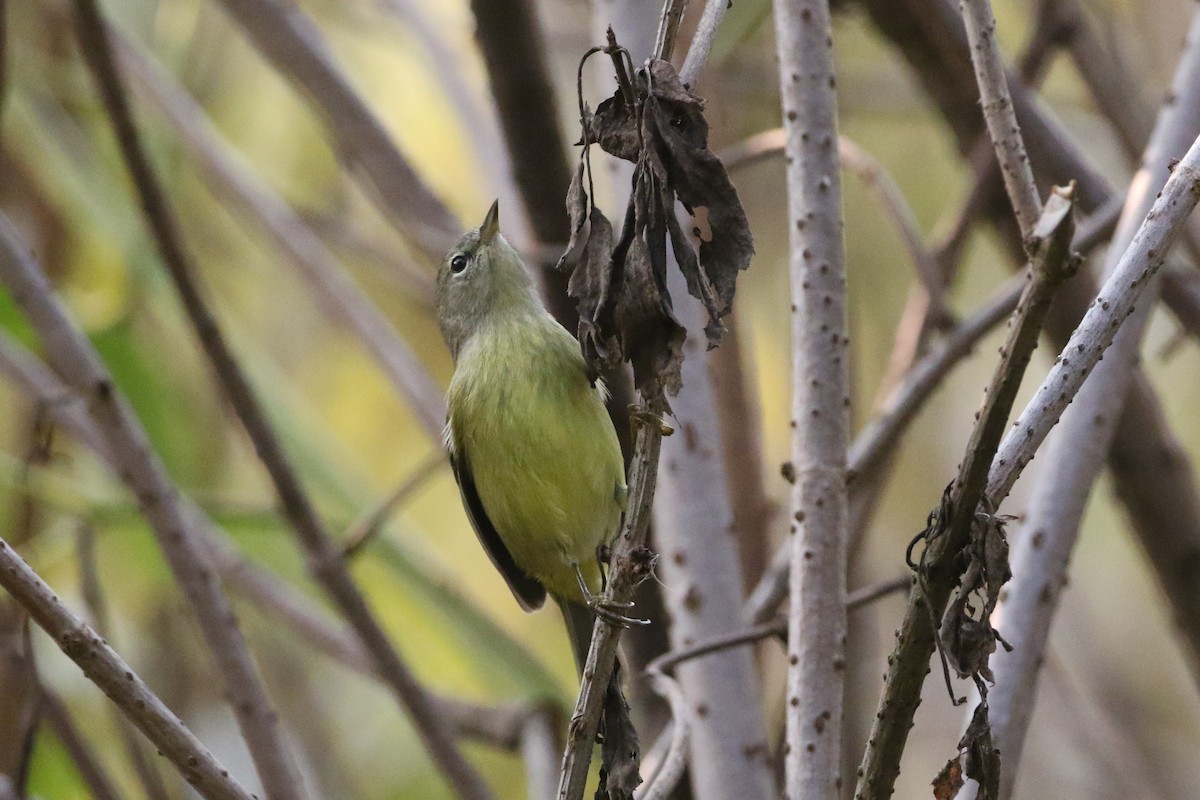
(541, 447)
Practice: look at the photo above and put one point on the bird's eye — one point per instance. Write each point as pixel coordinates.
(458, 263)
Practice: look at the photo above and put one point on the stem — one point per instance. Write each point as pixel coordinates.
(820, 402)
(631, 564)
(909, 663)
(999, 114)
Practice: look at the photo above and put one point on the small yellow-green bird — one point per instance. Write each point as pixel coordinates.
(531, 444)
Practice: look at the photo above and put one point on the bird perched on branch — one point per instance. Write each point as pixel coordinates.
(530, 441)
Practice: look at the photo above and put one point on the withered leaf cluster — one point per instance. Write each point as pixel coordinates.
(620, 284)
(977, 759)
(967, 636)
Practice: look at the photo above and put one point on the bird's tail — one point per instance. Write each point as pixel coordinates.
(580, 621)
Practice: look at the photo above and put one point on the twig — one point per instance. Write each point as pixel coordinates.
(631, 564)
(336, 293)
(1095, 333)
(673, 761)
(702, 585)
(367, 528)
(1077, 452)
(127, 445)
(999, 114)
(820, 402)
(290, 41)
(668, 28)
(702, 42)
(1163, 502)
(667, 662)
(90, 769)
(908, 664)
(118, 680)
(324, 558)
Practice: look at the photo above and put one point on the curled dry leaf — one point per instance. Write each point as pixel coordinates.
(621, 288)
(620, 753)
(967, 635)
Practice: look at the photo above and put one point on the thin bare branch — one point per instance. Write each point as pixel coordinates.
(941, 568)
(294, 45)
(631, 564)
(324, 557)
(820, 402)
(1115, 302)
(667, 662)
(118, 680)
(364, 530)
(1077, 452)
(702, 42)
(999, 114)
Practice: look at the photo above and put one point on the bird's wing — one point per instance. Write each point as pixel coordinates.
(529, 592)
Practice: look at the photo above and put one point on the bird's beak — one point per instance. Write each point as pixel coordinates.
(491, 224)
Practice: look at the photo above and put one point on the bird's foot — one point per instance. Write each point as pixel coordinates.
(605, 608)
(639, 417)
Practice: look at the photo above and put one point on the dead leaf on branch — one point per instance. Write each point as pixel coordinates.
(625, 309)
(966, 632)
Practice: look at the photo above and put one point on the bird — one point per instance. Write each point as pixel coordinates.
(531, 445)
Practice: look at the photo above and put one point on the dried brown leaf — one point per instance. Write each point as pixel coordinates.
(982, 759)
(620, 753)
(948, 781)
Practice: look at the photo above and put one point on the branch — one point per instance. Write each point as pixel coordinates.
(324, 558)
(702, 585)
(631, 563)
(1077, 452)
(909, 663)
(999, 114)
(1164, 503)
(118, 680)
(127, 444)
(702, 42)
(293, 44)
(820, 402)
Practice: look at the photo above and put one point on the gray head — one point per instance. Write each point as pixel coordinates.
(480, 277)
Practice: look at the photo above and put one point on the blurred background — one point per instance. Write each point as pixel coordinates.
(1119, 699)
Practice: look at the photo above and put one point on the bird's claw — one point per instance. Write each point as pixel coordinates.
(638, 417)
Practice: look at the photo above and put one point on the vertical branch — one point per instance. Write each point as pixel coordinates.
(820, 419)
(630, 565)
(999, 114)
(1076, 453)
(324, 557)
(703, 587)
